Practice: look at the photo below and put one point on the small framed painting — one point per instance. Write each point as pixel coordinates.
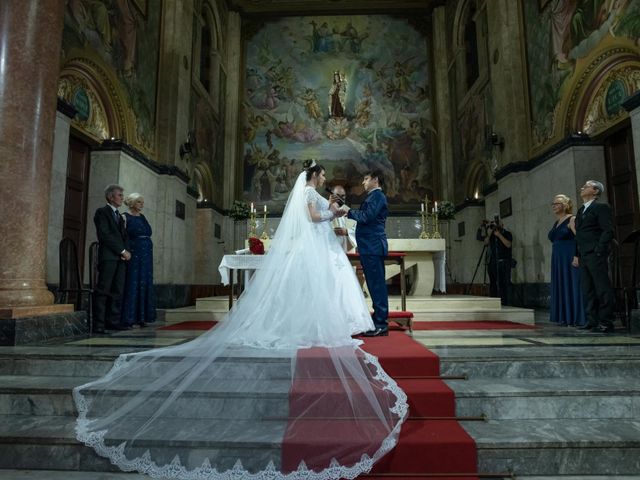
(505, 208)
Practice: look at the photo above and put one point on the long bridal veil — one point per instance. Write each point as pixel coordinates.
(277, 390)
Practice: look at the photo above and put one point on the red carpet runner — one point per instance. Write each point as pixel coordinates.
(428, 445)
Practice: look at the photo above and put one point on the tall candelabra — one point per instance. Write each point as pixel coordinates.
(429, 221)
(252, 222)
(423, 223)
(265, 235)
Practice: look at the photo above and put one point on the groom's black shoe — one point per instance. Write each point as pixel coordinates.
(378, 332)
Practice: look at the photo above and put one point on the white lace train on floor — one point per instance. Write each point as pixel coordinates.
(277, 390)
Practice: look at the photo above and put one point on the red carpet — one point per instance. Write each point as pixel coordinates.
(427, 446)
(191, 325)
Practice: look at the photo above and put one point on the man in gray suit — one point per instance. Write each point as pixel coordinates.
(594, 232)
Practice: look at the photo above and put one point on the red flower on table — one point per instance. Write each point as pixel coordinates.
(256, 246)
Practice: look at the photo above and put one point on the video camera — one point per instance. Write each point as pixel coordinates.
(494, 224)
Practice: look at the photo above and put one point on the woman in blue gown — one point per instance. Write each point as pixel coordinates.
(567, 308)
(139, 300)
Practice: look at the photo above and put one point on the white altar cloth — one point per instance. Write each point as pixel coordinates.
(238, 262)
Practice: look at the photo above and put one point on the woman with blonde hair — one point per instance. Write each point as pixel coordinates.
(139, 300)
(566, 297)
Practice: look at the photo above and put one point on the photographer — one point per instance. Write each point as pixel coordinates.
(498, 241)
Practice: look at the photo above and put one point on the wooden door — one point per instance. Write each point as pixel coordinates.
(75, 201)
(623, 195)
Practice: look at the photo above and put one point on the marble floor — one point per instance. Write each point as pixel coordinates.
(443, 342)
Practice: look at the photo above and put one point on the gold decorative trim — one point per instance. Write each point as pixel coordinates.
(601, 62)
(596, 118)
(105, 91)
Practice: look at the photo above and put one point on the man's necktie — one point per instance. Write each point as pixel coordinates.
(116, 215)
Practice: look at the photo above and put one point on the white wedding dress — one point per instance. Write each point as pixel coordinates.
(277, 390)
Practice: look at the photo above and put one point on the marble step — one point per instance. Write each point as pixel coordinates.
(49, 443)
(94, 366)
(67, 475)
(547, 398)
(51, 396)
(435, 308)
(540, 362)
(558, 447)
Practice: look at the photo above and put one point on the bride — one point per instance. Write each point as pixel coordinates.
(277, 390)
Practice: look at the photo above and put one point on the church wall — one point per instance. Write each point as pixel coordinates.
(173, 238)
(565, 41)
(121, 40)
(463, 251)
(57, 195)
(531, 193)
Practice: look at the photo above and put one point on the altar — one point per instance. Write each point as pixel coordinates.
(420, 253)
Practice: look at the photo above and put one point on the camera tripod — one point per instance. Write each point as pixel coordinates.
(475, 272)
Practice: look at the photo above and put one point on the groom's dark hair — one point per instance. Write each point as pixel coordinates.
(378, 175)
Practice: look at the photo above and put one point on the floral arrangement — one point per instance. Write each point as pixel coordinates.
(446, 210)
(239, 210)
(256, 246)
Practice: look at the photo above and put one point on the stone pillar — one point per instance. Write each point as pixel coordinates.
(507, 71)
(233, 158)
(442, 102)
(30, 40)
(174, 81)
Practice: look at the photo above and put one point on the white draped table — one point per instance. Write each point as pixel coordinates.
(246, 263)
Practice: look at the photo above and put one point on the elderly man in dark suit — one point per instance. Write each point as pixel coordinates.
(112, 255)
(594, 232)
(373, 247)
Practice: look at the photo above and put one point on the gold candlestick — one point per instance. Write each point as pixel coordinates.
(423, 224)
(264, 235)
(436, 227)
(252, 224)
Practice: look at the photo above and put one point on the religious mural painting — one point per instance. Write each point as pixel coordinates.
(558, 38)
(122, 36)
(351, 92)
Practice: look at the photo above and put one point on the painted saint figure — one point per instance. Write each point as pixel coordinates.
(337, 95)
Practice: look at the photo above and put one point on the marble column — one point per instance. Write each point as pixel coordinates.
(443, 104)
(30, 43)
(233, 155)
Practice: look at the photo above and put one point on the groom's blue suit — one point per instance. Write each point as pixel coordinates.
(373, 247)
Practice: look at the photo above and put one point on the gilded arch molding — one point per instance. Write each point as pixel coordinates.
(593, 105)
(85, 83)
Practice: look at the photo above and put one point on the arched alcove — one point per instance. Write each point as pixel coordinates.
(101, 104)
(594, 105)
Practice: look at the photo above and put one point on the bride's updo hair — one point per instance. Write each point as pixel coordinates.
(311, 167)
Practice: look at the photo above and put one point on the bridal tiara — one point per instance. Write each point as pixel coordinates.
(313, 164)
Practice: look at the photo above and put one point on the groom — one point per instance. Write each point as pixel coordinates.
(372, 247)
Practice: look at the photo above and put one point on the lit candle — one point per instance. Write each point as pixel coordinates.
(435, 207)
(265, 209)
(422, 207)
(252, 209)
